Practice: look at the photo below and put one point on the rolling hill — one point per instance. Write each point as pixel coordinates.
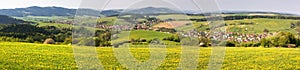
(9, 20)
(38, 11)
(45, 11)
(152, 10)
(60, 11)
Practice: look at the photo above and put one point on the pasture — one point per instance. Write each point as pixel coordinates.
(142, 34)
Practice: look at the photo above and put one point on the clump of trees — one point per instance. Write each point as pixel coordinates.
(100, 39)
(9, 39)
(33, 33)
(52, 35)
(103, 39)
(282, 39)
(174, 38)
(138, 41)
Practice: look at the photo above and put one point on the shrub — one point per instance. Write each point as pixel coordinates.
(29, 39)
(143, 40)
(282, 39)
(230, 44)
(9, 39)
(174, 38)
(265, 42)
(67, 41)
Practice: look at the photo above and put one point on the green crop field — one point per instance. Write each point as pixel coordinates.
(19, 56)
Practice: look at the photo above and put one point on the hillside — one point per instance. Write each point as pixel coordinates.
(152, 10)
(9, 20)
(45, 11)
(38, 11)
(60, 11)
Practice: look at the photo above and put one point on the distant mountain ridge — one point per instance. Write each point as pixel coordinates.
(253, 12)
(55, 11)
(60, 11)
(38, 11)
(153, 10)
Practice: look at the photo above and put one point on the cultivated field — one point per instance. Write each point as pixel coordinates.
(37, 56)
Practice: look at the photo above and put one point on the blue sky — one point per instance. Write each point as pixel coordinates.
(288, 6)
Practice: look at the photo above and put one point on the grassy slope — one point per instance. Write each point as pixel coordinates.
(142, 34)
(37, 56)
(59, 25)
(148, 34)
(273, 25)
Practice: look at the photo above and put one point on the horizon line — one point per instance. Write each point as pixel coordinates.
(222, 10)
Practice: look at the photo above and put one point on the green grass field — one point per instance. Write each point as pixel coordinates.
(142, 34)
(19, 56)
(273, 25)
(59, 25)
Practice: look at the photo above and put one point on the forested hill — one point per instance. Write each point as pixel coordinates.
(37, 11)
(9, 20)
(60, 11)
(44, 11)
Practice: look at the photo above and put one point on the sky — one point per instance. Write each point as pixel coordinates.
(287, 6)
